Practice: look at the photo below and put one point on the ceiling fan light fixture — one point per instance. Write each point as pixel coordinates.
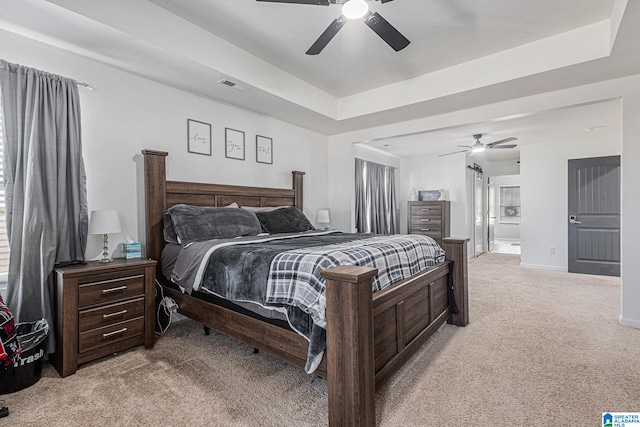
(355, 9)
(477, 149)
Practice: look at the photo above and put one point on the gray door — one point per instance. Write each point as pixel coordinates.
(594, 216)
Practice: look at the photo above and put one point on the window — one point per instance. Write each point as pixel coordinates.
(510, 204)
(375, 198)
(4, 243)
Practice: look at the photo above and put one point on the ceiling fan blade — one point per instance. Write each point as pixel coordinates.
(385, 1)
(327, 35)
(502, 141)
(455, 152)
(386, 31)
(316, 2)
(504, 146)
(464, 146)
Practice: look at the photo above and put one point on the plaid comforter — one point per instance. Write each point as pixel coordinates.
(294, 277)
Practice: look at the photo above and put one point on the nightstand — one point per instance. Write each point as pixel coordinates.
(102, 308)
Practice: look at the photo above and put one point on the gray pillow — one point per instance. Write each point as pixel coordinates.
(186, 223)
(284, 220)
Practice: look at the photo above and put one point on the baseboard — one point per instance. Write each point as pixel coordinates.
(544, 267)
(631, 323)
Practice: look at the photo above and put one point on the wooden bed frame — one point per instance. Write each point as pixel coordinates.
(369, 335)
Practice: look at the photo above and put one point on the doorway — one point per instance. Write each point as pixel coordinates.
(594, 216)
(503, 213)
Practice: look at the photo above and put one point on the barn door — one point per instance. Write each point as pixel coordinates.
(491, 215)
(594, 216)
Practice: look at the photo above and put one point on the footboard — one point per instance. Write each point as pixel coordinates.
(370, 336)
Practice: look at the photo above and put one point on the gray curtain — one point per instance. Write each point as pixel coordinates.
(45, 186)
(375, 198)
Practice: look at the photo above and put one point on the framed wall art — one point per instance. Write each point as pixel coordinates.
(426, 195)
(234, 144)
(264, 149)
(198, 137)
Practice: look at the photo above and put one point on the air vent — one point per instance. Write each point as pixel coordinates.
(233, 84)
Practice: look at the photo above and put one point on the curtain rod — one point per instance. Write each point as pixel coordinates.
(87, 86)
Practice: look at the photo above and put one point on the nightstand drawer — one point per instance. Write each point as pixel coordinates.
(110, 290)
(110, 314)
(110, 334)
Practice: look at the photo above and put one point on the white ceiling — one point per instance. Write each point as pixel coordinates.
(462, 54)
(443, 33)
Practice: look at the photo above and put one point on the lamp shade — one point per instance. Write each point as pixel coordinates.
(322, 216)
(104, 222)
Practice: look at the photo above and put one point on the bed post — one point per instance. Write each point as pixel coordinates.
(350, 352)
(155, 185)
(297, 188)
(456, 251)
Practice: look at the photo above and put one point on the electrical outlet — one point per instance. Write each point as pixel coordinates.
(552, 251)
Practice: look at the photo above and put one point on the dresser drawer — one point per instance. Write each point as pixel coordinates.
(426, 211)
(425, 229)
(433, 222)
(109, 334)
(110, 290)
(110, 314)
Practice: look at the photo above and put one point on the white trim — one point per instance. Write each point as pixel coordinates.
(631, 323)
(545, 267)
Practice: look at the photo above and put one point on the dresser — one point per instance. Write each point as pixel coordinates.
(102, 308)
(430, 218)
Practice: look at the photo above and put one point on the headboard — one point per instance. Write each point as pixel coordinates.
(161, 194)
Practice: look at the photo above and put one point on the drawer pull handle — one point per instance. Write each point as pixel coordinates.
(425, 209)
(425, 229)
(110, 334)
(117, 313)
(426, 220)
(119, 288)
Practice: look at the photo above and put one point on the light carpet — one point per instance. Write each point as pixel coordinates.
(543, 348)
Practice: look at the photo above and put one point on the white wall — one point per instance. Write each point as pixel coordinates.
(126, 114)
(630, 225)
(341, 171)
(544, 183)
(372, 155)
(434, 173)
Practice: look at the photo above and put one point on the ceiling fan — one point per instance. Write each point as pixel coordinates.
(353, 9)
(479, 146)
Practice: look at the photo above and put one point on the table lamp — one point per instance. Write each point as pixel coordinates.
(322, 218)
(105, 222)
